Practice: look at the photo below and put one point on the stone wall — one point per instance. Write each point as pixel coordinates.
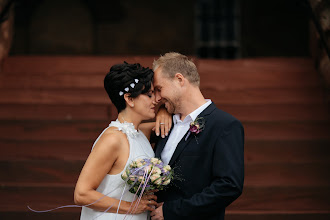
(147, 27)
(100, 27)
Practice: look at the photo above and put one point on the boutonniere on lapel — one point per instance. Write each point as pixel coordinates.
(196, 127)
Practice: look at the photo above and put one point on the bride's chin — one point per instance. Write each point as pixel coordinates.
(152, 116)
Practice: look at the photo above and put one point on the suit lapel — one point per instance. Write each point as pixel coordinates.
(184, 143)
(181, 146)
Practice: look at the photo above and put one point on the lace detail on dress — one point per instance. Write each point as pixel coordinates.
(126, 127)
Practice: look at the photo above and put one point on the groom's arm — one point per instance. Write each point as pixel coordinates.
(228, 173)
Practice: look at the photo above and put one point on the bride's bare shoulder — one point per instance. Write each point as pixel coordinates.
(112, 138)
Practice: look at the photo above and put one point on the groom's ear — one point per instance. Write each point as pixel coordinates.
(179, 78)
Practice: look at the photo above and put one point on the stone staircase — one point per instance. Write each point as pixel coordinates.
(53, 108)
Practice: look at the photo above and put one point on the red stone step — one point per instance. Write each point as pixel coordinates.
(15, 150)
(267, 65)
(94, 112)
(230, 215)
(242, 74)
(273, 215)
(38, 197)
(277, 112)
(260, 152)
(93, 64)
(214, 73)
(28, 215)
(18, 81)
(285, 199)
(287, 130)
(255, 151)
(54, 96)
(40, 171)
(262, 112)
(68, 64)
(51, 130)
(287, 174)
(264, 96)
(220, 97)
(66, 172)
(300, 151)
(222, 81)
(82, 130)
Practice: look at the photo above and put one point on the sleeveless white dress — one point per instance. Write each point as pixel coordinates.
(113, 185)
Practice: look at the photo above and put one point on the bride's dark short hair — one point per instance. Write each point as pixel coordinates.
(127, 78)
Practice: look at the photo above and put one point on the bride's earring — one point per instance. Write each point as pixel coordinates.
(132, 105)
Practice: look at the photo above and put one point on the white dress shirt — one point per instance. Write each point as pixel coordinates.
(180, 128)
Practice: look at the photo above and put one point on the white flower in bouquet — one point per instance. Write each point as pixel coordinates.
(167, 168)
(166, 182)
(143, 175)
(148, 168)
(124, 175)
(155, 161)
(140, 160)
(158, 182)
(155, 177)
(156, 170)
(141, 179)
(139, 164)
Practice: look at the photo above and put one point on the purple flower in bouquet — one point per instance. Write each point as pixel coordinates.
(143, 175)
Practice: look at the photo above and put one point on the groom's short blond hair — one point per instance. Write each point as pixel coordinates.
(172, 63)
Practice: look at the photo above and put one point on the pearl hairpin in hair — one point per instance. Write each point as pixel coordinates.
(127, 88)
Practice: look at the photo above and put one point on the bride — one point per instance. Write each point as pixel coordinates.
(100, 189)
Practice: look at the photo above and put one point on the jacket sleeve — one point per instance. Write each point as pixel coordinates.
(228, 178)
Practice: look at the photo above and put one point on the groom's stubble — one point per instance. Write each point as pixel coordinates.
(173, 105)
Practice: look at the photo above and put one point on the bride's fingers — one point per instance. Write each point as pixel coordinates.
(166, 126)
(157, 125)
(149, 197)
(152, 191)
(162, 126)
(150, 205)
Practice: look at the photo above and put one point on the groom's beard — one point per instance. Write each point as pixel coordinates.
(171, 107)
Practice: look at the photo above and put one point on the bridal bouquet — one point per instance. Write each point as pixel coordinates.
(143, 175)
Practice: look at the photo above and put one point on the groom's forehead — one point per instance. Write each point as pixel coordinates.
(158, 77)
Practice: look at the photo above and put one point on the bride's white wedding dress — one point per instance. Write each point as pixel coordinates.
(113, 185)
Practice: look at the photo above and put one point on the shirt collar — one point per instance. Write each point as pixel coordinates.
(193, 115)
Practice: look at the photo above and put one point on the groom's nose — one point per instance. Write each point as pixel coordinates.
(158, 98)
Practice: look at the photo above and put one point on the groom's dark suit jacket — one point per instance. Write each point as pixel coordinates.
(210, 167)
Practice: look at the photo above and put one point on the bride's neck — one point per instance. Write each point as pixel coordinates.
(129, 116)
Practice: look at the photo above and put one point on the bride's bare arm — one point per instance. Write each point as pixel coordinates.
(108, 156)
(161, 126)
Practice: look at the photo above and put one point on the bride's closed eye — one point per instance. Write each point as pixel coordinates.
(150, 93)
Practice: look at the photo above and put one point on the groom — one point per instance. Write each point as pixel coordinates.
(208, 159)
